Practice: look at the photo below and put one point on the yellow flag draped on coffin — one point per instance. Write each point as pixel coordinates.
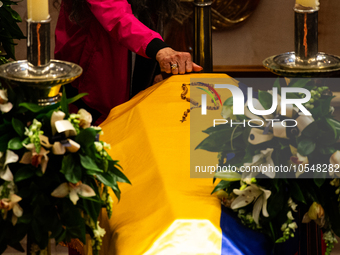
(164, 211)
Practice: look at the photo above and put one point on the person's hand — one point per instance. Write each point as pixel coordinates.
(176, 62)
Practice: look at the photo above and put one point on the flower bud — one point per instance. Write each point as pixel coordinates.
(316, 211)
(85, 118)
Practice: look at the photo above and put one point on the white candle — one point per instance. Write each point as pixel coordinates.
(309, 3)
(37, 10)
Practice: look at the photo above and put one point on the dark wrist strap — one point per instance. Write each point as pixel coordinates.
(154, 46)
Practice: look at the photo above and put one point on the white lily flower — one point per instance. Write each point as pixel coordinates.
(261, 162)
(250, 194)
(293, 226)
(101, 132)
(316, 213)
(99, 232)
(73, 190)
(12, 203)
(299, 160)
(290, 215)
(335, 161)
(34, 158)
(5, 172)
(227, 112)
(5, 106)
(56, 116)
(292, 205)
(85, 118)
(99, 146)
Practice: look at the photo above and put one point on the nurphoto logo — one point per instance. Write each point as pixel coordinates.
(239, 99)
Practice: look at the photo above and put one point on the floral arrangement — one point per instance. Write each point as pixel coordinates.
(55, 174)
(9, 30)
(271, 171)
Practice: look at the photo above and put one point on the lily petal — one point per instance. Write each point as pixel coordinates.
(257, 209)
(65, 126)
(17, 210)
(26, 158)
(264, 205)
(15, 198)
(29, 146)
(6, 175)
(11, 157)
(306, 218)
(61, 191)
(74, 196)
(240, 201)
(245, 196)
(58, 149)
(6, 107)
(14, 219)
(3, 95)
(43, 163)
(85, 190)
(56, 116)
(74, 146)
(44, 159)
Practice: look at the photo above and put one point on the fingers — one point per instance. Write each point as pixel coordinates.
(176, 62)
(174, 68)
(196, 67)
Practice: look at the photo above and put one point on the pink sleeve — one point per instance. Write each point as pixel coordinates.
(117, 19)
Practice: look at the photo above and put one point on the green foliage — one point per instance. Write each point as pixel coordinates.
(305, 154)
(9, 29)
(87, 169)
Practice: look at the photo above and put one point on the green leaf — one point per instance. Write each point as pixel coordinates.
(299, 82)
(228, 176)
(326, 150)
(86, 138)
(117, 192)
(311, 130)
(335, 125)
(306, 146)
(61, 237)
(71, 169)
(15, 144)
(319, 181)
(275, 203)
(219, 128)
(332, 209)
(32, 107)
(116, 172)
(77, 232)
(228, 102)
(18, 127)
(4, 139)
(92, 208)
(277, 85)
(296, 192)
(36, 231)
(25, 218)
(89, 164)
(23, 174)
(15, 15)
(77, 97)
(107, 179)
(325, 105)
(266, 99)
(221, 185)
(219, 140)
